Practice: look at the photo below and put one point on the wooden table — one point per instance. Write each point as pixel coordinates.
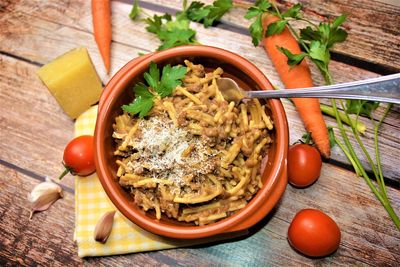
(34, 131)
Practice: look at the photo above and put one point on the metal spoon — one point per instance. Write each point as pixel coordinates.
(382, 89)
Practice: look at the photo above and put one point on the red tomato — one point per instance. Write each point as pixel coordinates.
(314, 233)
(79, 156)
(304, 165)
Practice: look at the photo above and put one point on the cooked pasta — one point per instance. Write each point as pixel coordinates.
(196, 157)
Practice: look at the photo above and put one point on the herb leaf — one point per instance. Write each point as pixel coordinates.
(196, 11)
(154, 24)
(208, 14)
(153, 76)
(362, 107)
(171, 78)
(217, 10)
(141, 106)
(319, 52)
(339, 21)
(176, 37)
(144, 98)
(256, 28)
(140, 89)
(293, 59)
(172, 33)
(293, 12)
(135, 10)
(276, 28)
(308, 34)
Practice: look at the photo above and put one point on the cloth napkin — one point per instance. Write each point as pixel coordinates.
(91, 202)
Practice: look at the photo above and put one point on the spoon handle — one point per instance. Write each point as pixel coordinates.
(383, 89)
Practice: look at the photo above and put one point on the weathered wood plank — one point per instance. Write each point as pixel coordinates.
(44, 39)
(44, 240)
(373, 27)
(368, 236)
(34, 129)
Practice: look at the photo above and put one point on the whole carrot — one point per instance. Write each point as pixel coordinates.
(101, 12)
(297, 77)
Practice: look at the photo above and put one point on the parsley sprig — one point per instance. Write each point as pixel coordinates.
(157, 87)
(177, 32)
(208, 14)
(316, 41)
(171, 32)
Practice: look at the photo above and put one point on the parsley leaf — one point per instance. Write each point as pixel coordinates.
(362, 107)
(171, 78)
(208, 14)
(135, 10)
(319, 52)
(326, 33)
(141, 90)
(256, 28)
(154, 24)
(153, 76)
(217, 10)
(172, 33)
(293, 12)
(308, 34)
(140, 105)
(339, 21)
(276, 27)
(196, 11)
(160, 86)
(293, 59)
(143, 101)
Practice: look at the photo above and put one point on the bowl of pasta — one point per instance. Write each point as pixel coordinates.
(179, 160)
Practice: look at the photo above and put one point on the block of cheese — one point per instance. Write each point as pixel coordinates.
(73, 81)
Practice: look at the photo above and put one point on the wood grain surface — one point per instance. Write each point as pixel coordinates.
(34, 131)
(368, 235)
(367, 20)
(28, 25)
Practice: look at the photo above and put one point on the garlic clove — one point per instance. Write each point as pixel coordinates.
(43, 196)
(43, 188)
(104, 226)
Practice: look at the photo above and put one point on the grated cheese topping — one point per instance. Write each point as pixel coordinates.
(160, 145)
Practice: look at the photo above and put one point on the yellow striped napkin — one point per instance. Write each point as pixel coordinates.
(91, 202)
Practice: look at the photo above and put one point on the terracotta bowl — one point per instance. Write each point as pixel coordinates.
(119, 91)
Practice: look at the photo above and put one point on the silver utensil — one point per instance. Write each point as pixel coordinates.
(382, 89)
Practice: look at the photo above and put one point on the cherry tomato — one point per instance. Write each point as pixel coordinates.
(304, 165)
(79, 156)
(314, 233)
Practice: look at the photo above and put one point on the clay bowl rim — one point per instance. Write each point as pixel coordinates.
(114, 89)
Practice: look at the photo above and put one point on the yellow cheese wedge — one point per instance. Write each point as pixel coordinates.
(73, 81)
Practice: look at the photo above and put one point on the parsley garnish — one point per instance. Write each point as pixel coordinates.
(157, 87)
(208, 14)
